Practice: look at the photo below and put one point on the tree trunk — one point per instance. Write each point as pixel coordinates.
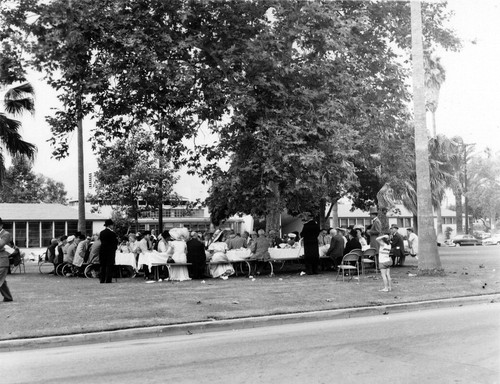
(382, 216)
(428, 261)
(335, 215)
(439, 223)
(81, 172)
(459, 212)
(274, 209)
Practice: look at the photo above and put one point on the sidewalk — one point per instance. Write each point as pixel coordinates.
(46, 305)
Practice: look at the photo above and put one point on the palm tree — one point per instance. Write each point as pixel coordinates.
(435, 76)
(429, 262)
(17, 100)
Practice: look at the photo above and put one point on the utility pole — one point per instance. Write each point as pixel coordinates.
(428, 262)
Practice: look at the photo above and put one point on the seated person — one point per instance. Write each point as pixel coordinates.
(292, 241)
(123, 246)
(260, 250)
(352, 242)
(235, 241)
(218, 250)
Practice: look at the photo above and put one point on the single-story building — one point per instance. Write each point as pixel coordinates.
(33, 225)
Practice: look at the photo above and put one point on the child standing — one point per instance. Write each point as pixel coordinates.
(384, 262)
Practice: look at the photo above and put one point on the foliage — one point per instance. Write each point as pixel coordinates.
(22, 185)
(129, 171)
(17, 97)
(483, 192)
(300, 94)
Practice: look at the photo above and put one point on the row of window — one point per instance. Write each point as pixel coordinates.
(402, 222)
(37, 234)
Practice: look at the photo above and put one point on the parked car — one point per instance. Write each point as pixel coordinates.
(466, 240)
(493, 240)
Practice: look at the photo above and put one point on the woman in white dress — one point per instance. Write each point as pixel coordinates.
(177, 250)
(218, 249)
(163, 241)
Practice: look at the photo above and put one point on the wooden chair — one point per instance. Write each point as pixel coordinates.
(347, 265)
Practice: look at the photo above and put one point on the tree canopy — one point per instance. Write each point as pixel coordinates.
(303, 96)
(22, 185)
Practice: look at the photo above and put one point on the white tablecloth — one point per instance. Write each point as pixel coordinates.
(238, 254)
(151, 258)
(126, 259)
(284, 253)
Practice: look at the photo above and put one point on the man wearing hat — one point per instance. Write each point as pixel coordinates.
(309, 234)
(107, 252)
(195, 253)
(397, 246)
(5, 239)
(375, 229)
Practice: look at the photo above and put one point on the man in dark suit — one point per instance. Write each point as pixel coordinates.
(397, 246)
(107, 252)
(5, 239)
(309, 234)
(196, 256)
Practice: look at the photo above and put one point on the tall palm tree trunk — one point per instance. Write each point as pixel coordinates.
(428, 261)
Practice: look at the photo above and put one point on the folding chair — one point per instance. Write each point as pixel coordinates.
(347, 265)
(370, 257)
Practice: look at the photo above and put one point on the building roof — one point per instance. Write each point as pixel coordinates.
(42, 212)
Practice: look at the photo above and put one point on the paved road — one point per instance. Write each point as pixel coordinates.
(452, 345)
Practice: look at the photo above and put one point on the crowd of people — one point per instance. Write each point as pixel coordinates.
(195, 249)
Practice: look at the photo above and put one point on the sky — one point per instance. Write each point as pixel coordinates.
(469, 104)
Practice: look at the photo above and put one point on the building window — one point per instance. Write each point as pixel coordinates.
(408, 222)
(179, 212)
(34, 234)
(59, 228)
(88, 227)
(46, 233)
(20, 234)
(343, 222)
(72, 227)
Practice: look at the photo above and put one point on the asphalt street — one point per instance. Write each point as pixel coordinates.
(446, 345)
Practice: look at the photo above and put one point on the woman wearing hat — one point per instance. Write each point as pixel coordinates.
(177, 250)
(218, 249)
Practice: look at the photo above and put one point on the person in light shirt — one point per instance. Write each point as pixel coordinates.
(412, 243)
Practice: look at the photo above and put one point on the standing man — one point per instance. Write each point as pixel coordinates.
(5, 239)
(397, 246)
(309, 234)
(107, 252)
(375, 229)
(196, 256)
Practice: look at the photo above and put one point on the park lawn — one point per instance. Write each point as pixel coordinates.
(47, 305)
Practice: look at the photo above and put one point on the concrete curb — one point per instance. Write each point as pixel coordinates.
(241, 323)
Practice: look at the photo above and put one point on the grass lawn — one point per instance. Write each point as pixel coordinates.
(50, 305)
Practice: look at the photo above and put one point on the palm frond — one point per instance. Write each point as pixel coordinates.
(20, 99)
(2, 167)
(19, 91)
(10, 137)
(16, 107)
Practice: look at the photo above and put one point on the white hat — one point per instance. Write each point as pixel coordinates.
(70, 238)
(292, 235)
